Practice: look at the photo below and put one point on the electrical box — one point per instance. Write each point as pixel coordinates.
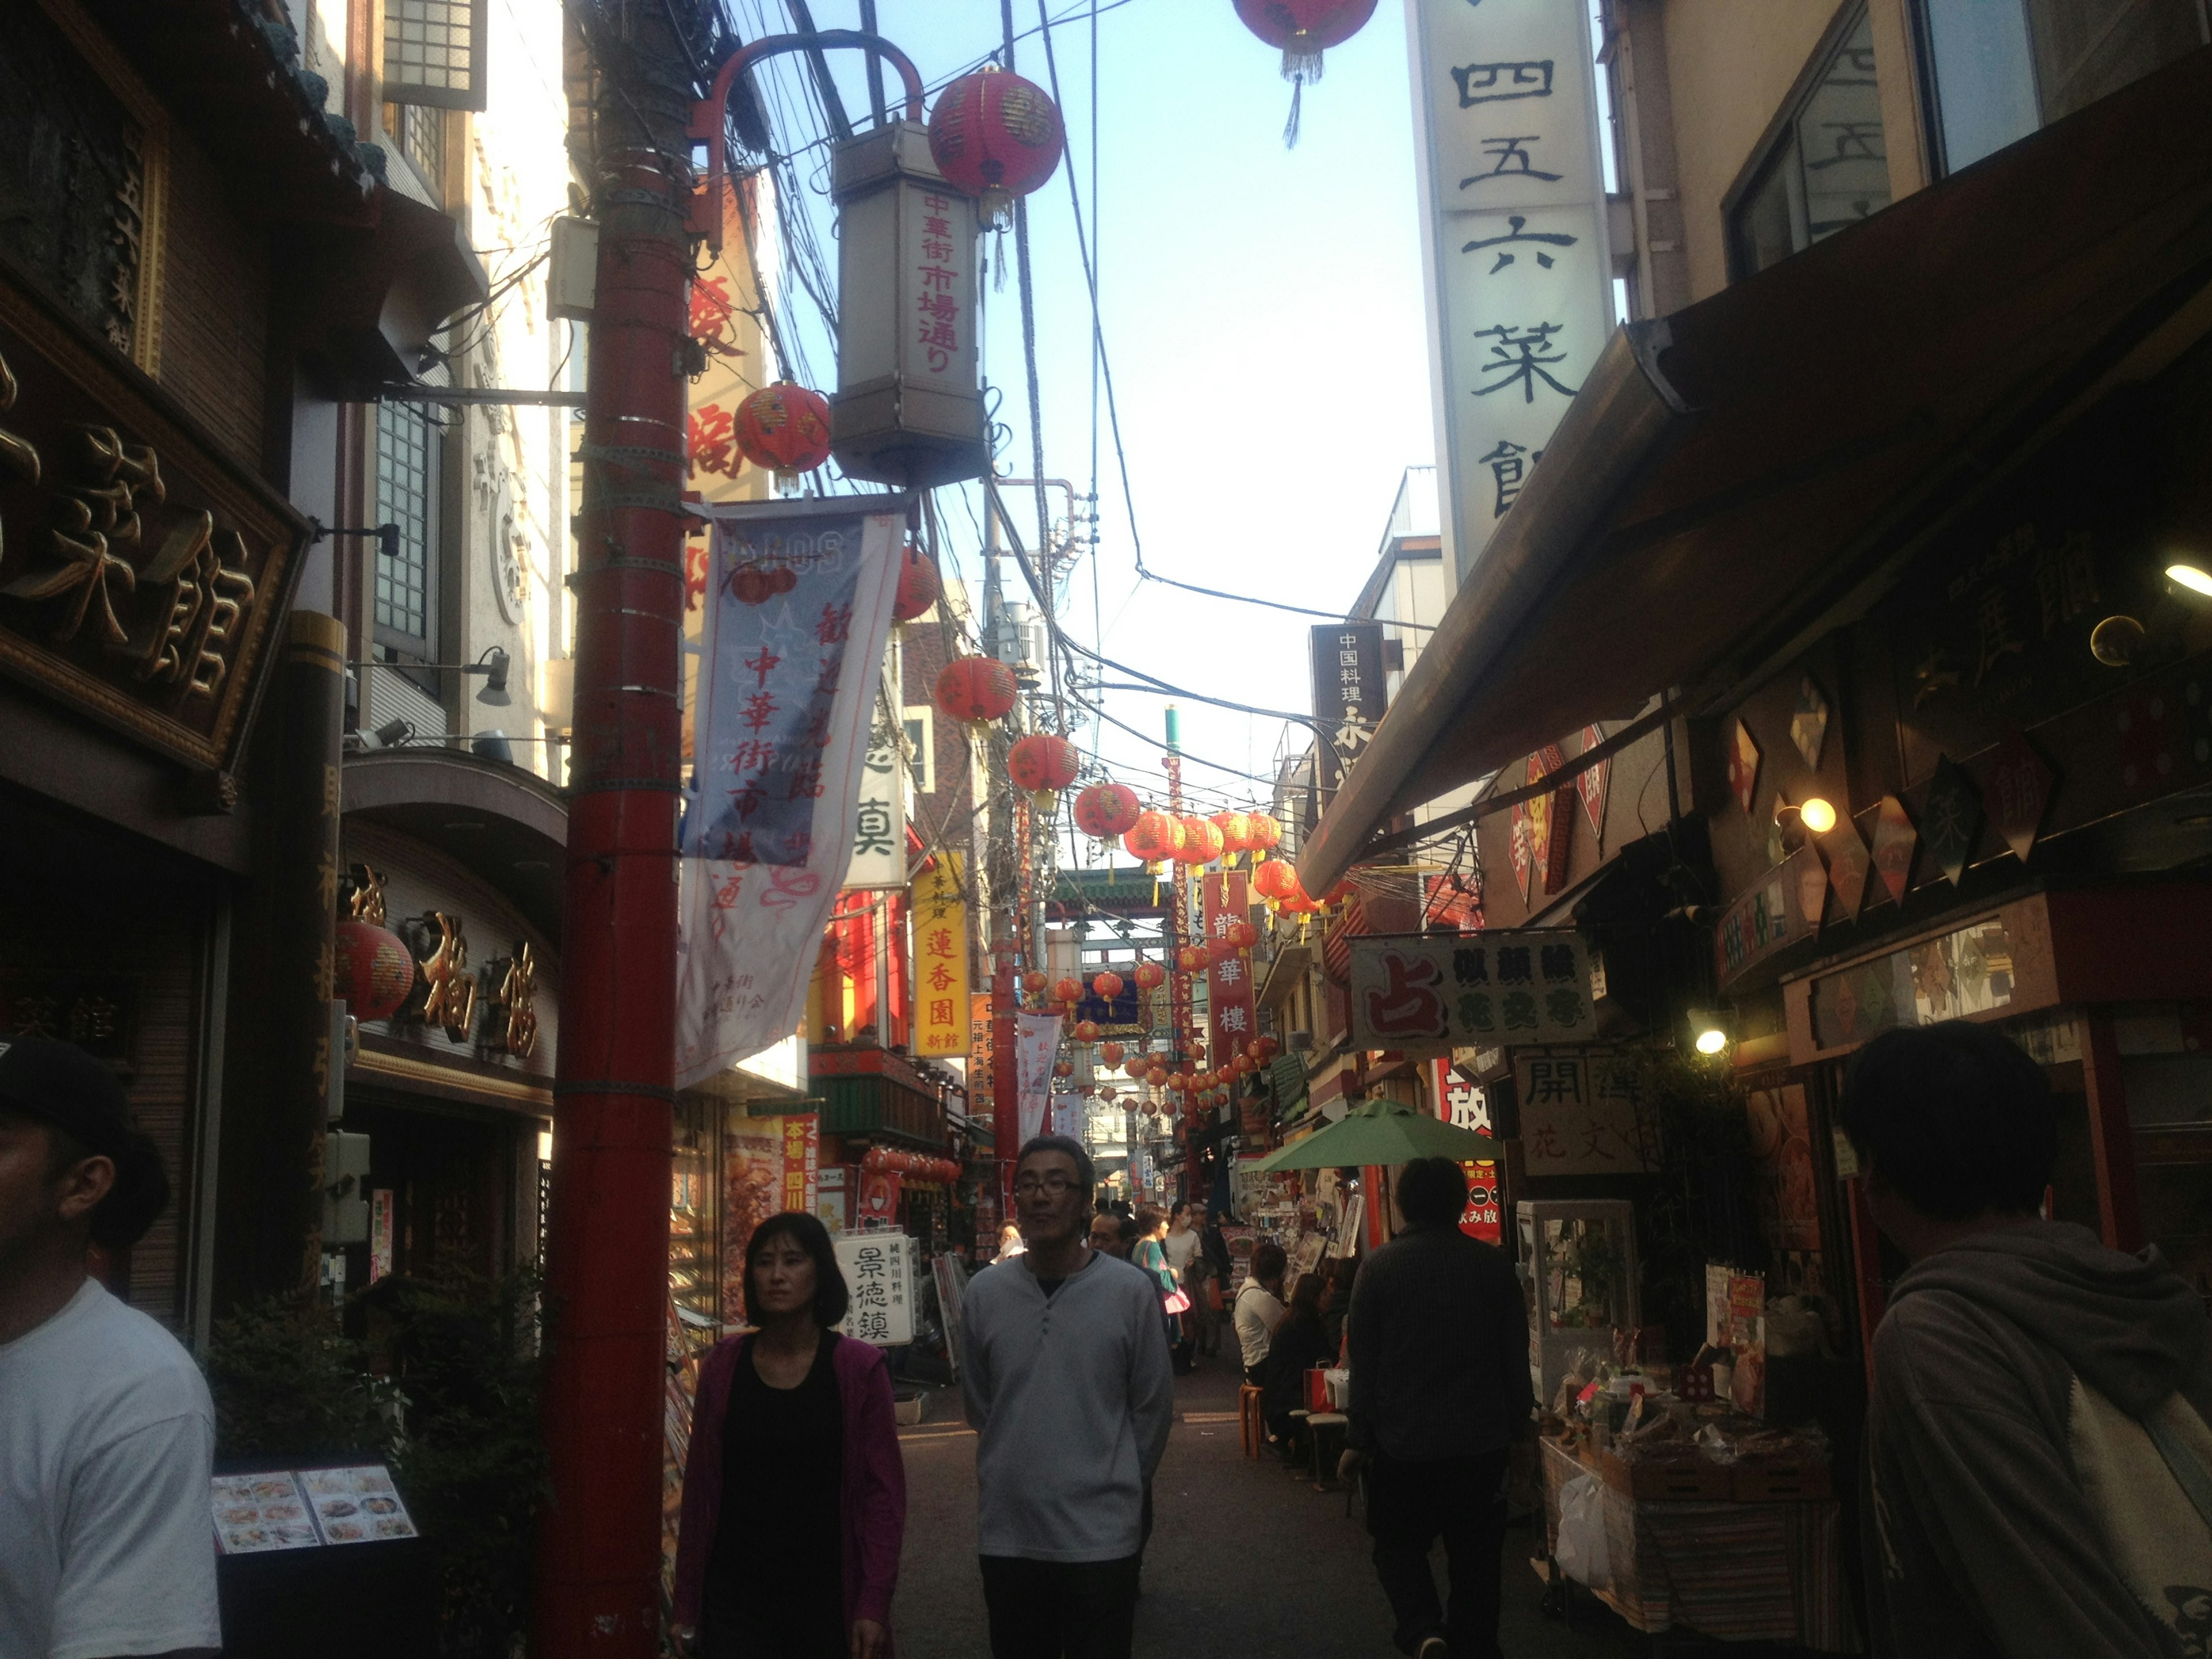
(572, 270)
(909, 409)
(344, 1045)
(345, 1189)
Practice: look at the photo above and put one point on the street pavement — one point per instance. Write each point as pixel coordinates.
(1245, 1562)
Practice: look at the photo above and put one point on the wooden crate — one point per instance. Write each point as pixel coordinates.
(1692, 1481)
(1779, 1483)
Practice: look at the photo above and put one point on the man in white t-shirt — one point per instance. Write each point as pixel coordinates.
(1260, 1308)
(106, 1432)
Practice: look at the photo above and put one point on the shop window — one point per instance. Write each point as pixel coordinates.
(420, 133)
(1827, 166)
(434, 53)
(920, 726)
(406, 495)
(1996, 71)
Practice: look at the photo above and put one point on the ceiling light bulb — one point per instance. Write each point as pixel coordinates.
(1817, 815)
(2194, 577)
(1711, 1041)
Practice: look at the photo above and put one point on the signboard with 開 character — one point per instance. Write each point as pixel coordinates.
(941, 1010)
(1579, 1114)
(879, 1269)
(1433, 992)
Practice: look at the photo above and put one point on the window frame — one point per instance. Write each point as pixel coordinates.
(1780, 135)
(396, 646)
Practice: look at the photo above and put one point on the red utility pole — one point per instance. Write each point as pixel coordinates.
(597, 1590)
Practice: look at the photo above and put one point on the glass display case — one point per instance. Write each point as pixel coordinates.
(1577, 1265)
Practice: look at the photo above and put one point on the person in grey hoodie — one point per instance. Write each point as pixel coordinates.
(1064, 1365)
(2039, 1466)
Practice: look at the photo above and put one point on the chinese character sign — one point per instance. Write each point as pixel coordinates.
(1579, 1113)
(942, 1014)
(1349, 689)
(981, 1099)
(798, 613)
(879, 1269)
(1432, 992)
(1038, 1042)
(1519, 272)
(802, 1152)
(1483, 1218)
(1231, 1012)
(879, 818)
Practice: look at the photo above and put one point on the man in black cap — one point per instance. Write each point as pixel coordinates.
(107, 1431)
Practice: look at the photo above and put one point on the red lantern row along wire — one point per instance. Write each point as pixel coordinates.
(1044, 764)
(1106, 810)
(922, 1166)
(994, 136)
(918, 586)
(975, 690)
(785, 427)
(1303, 29)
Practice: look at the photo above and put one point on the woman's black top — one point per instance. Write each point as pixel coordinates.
(774, 1577)
(1297, 1348)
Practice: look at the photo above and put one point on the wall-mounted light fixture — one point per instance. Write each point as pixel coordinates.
(1711, 1030)
(1815, 814)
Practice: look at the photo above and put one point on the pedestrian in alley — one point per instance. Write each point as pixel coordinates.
(1181, 1246)
(1260, 1308)
(1064, 1364)
(1205, 1278)
(107, 1430)
(1440, 1390)
(1009, 1241)
(2039, 1470)
(795, 1494)
(1106, 1235)
(1297, 1347)
(1151, 1254)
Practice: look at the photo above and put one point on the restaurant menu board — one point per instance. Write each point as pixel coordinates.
(257, 1512)
(308, 1508)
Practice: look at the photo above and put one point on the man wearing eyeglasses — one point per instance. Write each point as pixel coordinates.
(1064, 1364)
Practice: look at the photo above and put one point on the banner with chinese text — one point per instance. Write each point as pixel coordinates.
(982, 1090)
(769, 1164)
(879, 816)
(942, 1015)
(1035, 1048)
(1579, 1114)
(798, 611)
(1515, 241)
(1437, 991)
(1232, 1018)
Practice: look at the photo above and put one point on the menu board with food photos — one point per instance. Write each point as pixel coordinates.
(308, 1508)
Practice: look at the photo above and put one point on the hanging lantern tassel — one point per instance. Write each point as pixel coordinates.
(1299, 68)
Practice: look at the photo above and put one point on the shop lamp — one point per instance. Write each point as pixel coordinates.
(2191, 573)
(1709, 1031)
(1817, 815)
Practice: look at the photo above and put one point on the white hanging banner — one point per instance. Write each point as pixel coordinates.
(798, 611)
(1067, 1115)
(1034, 1049)
(880, 814)
(1519, 270)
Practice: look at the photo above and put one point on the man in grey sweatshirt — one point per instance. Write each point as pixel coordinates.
(1064, 1364)
(2038, 1467)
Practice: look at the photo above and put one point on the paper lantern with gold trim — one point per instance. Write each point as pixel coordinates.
(1150, 975)
(785, 427)
(1105, 811)
(994, 136)
(975, 690)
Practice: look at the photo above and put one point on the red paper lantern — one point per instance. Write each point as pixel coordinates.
(1152, 840)
(1150, 975)
(1155, 1075)
(1304, 28)
(1242, 934)
(375, 971)
(1243, 1065)
(1178, 1081)
(1338, 894)
(1105, 811)
(918, 586)
(1201, 841)
(1035, 981)
(994, 136)
(976, 689)
(1191, 958)
(1276, 880)
(1087, 1031)
(1268, 1047)
(1219, 951)
(1106, 985)
(1042, 763)
(1068, 990)
(1111, 1053)
(1265, 831)
(786, 426)
(1063, 1068)
(1236, 831)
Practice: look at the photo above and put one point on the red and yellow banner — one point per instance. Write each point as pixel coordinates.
(941, 1013)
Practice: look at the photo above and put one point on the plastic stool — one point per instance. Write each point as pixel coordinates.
(1249, 1423)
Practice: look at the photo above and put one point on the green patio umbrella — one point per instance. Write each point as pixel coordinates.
(1381, 1132)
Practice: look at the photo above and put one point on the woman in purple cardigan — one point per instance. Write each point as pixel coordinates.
(794, 1425)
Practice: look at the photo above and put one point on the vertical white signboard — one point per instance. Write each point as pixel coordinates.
(1519, 274)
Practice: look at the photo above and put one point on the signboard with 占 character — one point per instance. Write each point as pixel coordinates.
(1434, 992)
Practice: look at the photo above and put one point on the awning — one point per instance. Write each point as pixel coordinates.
(1734, 479)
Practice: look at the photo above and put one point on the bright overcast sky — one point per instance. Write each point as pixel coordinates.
(1262, 312)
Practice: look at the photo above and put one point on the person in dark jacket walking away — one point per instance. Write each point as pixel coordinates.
(2039, 1468)
(794, 1492)
(1440, 1390)
(1064, 1368)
